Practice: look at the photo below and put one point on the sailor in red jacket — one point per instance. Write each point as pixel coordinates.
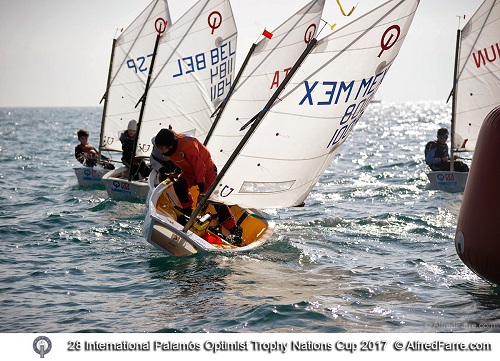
(198, 168)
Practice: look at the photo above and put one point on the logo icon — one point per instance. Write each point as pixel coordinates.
(42, 345)
(310, 32)
(160, 25)
(393, 31)
(214, 20)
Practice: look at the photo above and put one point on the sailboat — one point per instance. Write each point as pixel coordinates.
(257, 227)
(127, 75)
(274, 148)
(91, 171)
(90, 176)
(130, 63)
(476, 88)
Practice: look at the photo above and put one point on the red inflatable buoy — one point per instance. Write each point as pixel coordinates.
(477, 238)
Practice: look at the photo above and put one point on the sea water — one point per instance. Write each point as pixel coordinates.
(371, 251)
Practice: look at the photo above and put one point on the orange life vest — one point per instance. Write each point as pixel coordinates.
(194, 159)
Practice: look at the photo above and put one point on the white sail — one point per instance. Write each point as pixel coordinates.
(266, 68)
(193, 72)
(478, 85)
(317, 111)
(129, 72)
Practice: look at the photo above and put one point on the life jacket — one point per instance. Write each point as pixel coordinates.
(189, 149)
(441, 149)
(84, 155)
(127, 146)
(86, 148)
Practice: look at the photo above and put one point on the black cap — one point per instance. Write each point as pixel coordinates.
(442, 131)
(165, 137)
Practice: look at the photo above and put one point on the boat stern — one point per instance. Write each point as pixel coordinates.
(448, 180)
(120, 188)
(166, 239)
(90, 176)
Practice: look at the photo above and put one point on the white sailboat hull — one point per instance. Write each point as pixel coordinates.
(448, 180)
(153, 181)
(162, 230)
(90, 176)
(120, 188)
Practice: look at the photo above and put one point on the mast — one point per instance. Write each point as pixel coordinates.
(454, 102)
(249, 133)
(161, 25)
(220, 108)
(105, 96)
